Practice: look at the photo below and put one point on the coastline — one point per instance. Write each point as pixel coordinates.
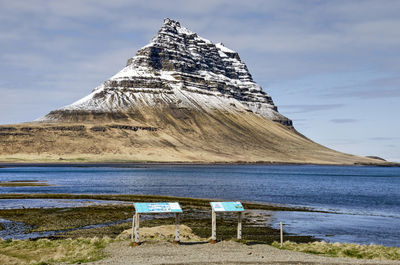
(104, 245)
(146, 198)
(178, 163)
(111, 244)
(96, 220)
(318, 187)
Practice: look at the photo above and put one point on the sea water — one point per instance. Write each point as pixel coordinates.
(361, 204)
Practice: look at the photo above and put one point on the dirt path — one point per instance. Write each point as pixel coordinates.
(226, 252)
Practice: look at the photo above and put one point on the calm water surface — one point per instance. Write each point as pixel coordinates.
(365, 201)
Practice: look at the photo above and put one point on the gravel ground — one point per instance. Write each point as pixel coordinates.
(226, 252)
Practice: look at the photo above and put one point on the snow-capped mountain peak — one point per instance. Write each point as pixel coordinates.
(182, 69)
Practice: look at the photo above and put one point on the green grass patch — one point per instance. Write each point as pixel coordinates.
(344, 250)
(44, 251)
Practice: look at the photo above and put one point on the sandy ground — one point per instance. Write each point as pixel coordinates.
(226, 252)
(158, 249)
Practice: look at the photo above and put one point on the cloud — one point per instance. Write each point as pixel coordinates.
(394, 159)
(344, 120)
(309, 108)
(367, 87)
(375, 93)
(344, 141)
(384, 138)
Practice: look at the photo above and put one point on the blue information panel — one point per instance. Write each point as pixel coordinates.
(158, 207)
(227, 206)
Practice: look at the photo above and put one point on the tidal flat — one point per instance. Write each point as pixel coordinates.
(111, 220)
(370, 195)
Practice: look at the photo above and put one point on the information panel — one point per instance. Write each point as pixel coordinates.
(158, 207)
(227, 206)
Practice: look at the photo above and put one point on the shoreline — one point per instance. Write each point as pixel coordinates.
(251, 205)
(260, 243)
(255, 210)
(268, 210)
(133, 164)
(228, 188)
(196, 215)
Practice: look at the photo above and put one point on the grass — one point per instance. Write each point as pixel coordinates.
(344, 250)
(45, 251)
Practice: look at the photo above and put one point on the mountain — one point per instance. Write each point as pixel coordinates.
(177, 69)
(181, 98)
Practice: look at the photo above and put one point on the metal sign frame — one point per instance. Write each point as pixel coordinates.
(154, 208)
(225, 207)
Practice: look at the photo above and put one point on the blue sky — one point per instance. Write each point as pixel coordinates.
(331, 66)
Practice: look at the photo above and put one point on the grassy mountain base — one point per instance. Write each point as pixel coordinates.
(165, 135)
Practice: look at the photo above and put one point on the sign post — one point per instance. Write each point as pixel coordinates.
(153, 208)
(177, 239)
(239, 229)
(136, 230)
(213, 227)
(225, 207)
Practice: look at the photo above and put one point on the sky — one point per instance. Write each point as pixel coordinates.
(333, 67)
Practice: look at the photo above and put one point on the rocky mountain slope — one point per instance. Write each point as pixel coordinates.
(181, 98)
